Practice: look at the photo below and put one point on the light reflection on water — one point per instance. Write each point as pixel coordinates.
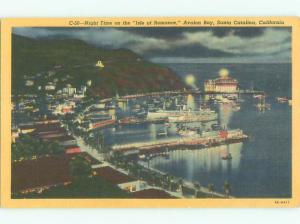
(260, 167)
(199, 164)
(225, 114)
(191, 104)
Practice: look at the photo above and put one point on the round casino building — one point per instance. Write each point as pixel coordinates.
(223, 84)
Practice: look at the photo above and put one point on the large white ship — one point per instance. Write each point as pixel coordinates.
(193, 117)
(183, 115)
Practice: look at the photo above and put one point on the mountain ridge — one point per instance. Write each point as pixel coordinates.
(124, 71)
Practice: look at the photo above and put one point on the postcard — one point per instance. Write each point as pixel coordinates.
(150, 112)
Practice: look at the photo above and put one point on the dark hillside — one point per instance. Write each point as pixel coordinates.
(73, 61)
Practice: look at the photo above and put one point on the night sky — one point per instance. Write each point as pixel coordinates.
(186, 45)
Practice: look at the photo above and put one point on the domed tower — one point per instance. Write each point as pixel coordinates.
(225, 84)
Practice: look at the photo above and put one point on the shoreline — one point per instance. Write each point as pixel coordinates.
(95, 154)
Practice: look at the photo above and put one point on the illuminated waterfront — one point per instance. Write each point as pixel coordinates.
(260, 167)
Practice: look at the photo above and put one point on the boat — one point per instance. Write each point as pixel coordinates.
(141, 113)
(189, 117)
(226, 101)
(262, 105)
(131, 120)
(142, 156)
(232, 97)
(161, 133)
(282, 99)
(187, 133)
(227, 157)
(258, 96)
(167, 125)
(164, 114)
(236, 107)
(216, 127)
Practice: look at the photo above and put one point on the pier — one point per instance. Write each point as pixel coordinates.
(246, 91)
(191, 91)
(158, 146)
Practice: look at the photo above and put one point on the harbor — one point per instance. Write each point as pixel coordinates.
(156, 132)
(140, 124)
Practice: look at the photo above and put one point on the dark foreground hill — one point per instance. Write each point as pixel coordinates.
(73, 62)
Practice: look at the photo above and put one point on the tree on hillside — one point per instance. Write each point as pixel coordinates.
(26, 147)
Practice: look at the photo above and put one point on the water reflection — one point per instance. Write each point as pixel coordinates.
(195, 165)
(225, 114)
(191, 105)
(152, 129)
(262, 154)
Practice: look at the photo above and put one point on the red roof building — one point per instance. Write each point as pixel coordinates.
(40, 174)
(113, 176)
(123, 181)
(72, 149)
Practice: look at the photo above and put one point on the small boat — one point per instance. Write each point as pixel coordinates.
(262, 105)
(227, 157)
(265, 106)
(216, 127)
(282, 99)
(142, 156)
(226, 101)
(258, 96)
(162, 133)
(167, 125)
(187, 132)
(231, 97)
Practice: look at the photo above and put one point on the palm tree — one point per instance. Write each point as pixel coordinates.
(197, 188)
(180, 184)
(170, 182)
(227, 188)
(152, 178)
(211, 188)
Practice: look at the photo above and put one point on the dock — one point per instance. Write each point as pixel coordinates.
(160, 145)
(245, 92)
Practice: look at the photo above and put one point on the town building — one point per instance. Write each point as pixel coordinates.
(14, 135)
(99, 64)
(63, 108)
(223, 84)
(79, 95)
(69, 90)
(43, 173)
(65, 140)
(122, 180)
(29, 83)
(40, 174)
(50, 86)
(89, 83)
